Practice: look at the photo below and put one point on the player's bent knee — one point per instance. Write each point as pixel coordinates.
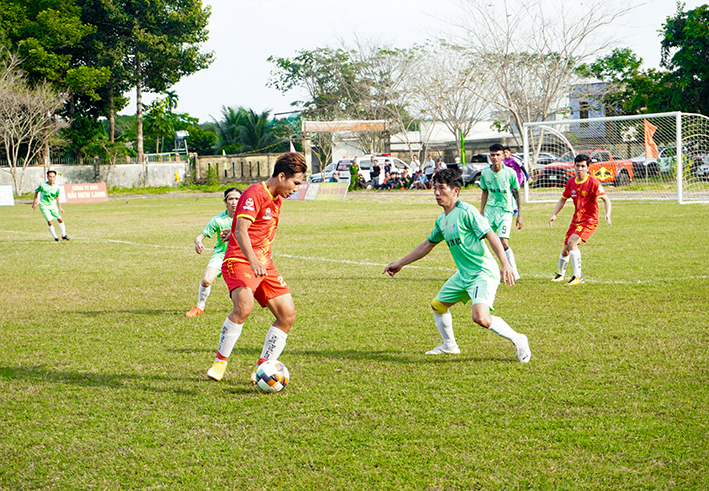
(439, 307)
(482, 317)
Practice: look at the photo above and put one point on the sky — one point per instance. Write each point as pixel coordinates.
(244, 33)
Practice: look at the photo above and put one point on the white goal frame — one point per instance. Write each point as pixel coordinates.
(556, 128)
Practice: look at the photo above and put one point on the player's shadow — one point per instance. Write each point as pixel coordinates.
(41, 374)
(99, 313)
(395, 357)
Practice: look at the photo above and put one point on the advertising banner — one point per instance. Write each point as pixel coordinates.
(6, 197)
(321, 191)
(85, 193)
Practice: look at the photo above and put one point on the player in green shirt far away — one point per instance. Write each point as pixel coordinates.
(219, 224)
(500, 191)
(47, 197)
(463, 228)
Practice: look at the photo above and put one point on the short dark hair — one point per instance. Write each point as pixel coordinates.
(227, 191)
(452, 177)
(51, 172)
(290, 164)
(496, 147)
(582, 157)
(506, 147)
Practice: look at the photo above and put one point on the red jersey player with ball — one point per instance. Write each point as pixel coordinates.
(248, 268)
(585, 191)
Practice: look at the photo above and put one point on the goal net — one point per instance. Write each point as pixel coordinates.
(650, 156)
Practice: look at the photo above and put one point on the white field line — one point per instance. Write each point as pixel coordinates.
(370, 264)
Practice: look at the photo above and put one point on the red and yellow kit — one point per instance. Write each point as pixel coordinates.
(585, 196)
(258, 205)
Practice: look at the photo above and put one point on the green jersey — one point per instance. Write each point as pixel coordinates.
(47, 194)
(464, 229)
(216, 225)
(499, 186)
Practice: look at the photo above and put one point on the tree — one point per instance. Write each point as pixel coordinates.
(26, 121)
(244, 131)
(446, 78)
(630, 90)
(685, 52)
(156, 44)
(530, 52)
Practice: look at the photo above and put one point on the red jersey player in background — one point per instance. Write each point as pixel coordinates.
(248, 268)
(585, 190)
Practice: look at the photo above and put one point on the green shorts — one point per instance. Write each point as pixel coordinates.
(50, 212)
(480, 289)
(216, 261)
(500, 222)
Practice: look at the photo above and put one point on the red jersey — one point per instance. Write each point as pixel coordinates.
(256, 204)
(585, 195)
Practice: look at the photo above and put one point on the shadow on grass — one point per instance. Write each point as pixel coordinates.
(38, 373)
(98, 313)
(396, 357)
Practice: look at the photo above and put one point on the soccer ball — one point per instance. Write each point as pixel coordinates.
(272, 376)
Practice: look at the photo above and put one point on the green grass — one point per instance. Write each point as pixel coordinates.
(103, 385)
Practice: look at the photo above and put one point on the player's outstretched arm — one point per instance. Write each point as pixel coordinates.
(198, 246)
(419, 251)
(506, 274)
(59, 205)
(483, 202)
(241, 234)
(36, 201)
(607, 204)
(559, 205)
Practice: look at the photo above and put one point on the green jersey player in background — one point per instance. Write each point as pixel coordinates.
(500, 186)
(463, 228)
(219, 224)
(47, 197)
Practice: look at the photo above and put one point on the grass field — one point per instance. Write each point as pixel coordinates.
(103, 380)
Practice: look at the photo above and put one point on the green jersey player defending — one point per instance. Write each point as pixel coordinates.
(463, 228)
(500, 186)
(219, 224)
(47, 197)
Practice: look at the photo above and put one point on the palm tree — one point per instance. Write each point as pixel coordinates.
(242, 130)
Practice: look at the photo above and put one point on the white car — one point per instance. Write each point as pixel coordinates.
(365, 166)
(341, 168)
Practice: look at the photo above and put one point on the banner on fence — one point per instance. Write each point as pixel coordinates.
(321, 191)
(84, 193)
(6, 197)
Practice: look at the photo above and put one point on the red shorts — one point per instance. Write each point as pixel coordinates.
(237, 274)
(585, 231)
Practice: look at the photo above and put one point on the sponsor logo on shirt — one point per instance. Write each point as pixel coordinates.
(249, 204)
(573, 193)
(267, 215)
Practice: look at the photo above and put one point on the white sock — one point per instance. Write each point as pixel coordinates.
(444, 323)
(563, 262)
(274, 344)
(51, 230)
(62, 228)
(228, 338)
(511, 259)
(203, 294)
(576, 262)
(502, 328)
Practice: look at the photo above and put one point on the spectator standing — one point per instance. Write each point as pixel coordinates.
(354, 174)
(429, 167)
(374, 173)
(414, 165)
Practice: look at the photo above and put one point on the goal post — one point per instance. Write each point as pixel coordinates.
(662, 156)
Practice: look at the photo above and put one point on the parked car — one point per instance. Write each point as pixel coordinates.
(603, 166)
(471, 171)
(702, 171)
(365, 165)
(643, 166)
(341, 168)
(544, 158)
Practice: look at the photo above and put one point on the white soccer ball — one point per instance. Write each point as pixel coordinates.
(272, 376)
